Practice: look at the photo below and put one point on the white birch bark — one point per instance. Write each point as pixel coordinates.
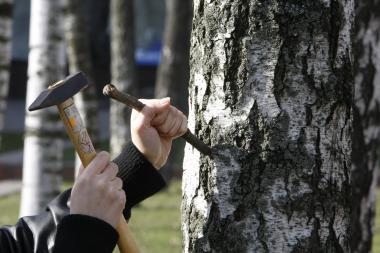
(6, 7)
(366, 124)
(79, 57)
(43, 144)
(271, 91)
(123, 71)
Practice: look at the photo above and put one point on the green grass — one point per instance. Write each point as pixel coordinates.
(11, 141)
(9, 209)
(155, 223)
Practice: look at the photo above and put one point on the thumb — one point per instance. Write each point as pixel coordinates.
(80, 171)
(159, 105)
(151, 109)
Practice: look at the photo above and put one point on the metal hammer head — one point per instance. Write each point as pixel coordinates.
(60, 91)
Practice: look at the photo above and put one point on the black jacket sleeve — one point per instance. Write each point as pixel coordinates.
(84, 234)
(56, 231)
(140, 178)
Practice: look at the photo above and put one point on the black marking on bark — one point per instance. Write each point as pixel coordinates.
(279, 74)
(236, 73)
(309, 115)
(313, 243)
(4, 39)
(261, 233)
(333, 244)
(55, 37)
(336, 15)
(317, 170)
(4, 67)
(331, 113)
(201, 8)
(207, 93)
(6, 10)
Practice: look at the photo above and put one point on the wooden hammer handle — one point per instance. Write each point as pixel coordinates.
(129, 100)
(83, 146)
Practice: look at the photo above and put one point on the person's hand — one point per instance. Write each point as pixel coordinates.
(98, 192)
(155, 127)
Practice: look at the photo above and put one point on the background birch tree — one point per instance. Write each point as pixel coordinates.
(271, 89)
(43, 144)
(79, 57)
(173, 71)
(366, 124)
(6, 7)
(123, 69)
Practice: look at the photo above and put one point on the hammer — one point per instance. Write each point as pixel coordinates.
(60, 94)
(129, 100)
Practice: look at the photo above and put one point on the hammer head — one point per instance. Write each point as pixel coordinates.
(60, 91)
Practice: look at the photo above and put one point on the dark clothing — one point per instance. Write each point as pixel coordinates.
(55, 230)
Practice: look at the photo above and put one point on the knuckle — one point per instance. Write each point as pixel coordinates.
(113, 195)
(183, 116)
(119, 182)
(104, 155)
(164, 130)
(101, 185)
(148, 111)
(139, 126)
(173, 131)
(84, 180)
(122, 198)
(114, 167)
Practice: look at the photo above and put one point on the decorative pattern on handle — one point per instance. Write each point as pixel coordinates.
(77, 131)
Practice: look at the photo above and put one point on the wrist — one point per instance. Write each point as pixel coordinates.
(148, 155)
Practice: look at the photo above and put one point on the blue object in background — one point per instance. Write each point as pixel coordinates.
(148, 56)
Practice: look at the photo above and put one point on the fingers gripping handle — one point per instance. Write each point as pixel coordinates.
(86, 152)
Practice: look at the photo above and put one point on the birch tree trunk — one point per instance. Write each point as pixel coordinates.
(173, 71)
(6, 7)
(271, 90)
(123, 72)
(43, 144)
(79, 57)
(366, 124)
(98, 14)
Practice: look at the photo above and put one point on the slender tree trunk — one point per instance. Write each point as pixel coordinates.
(6, 7)
(98, 14)
(122, 69)
(43, 144)
(366, 124)
(79, 57)
(271, 91)
(173, 71)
